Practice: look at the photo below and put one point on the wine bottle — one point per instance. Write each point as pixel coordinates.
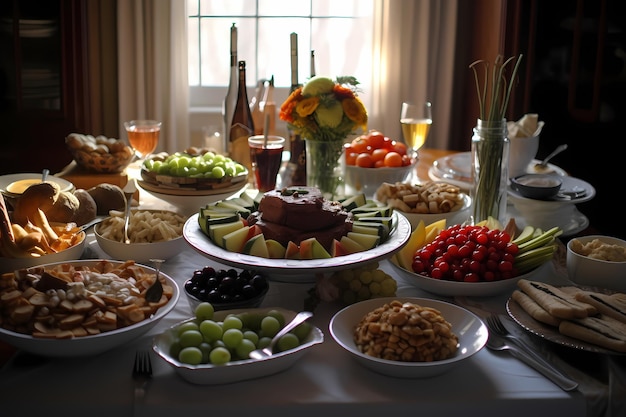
(297, 159)
(228, 106)
(242, 125)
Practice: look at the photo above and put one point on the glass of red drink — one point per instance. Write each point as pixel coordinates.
(143, 136)
(266, 155)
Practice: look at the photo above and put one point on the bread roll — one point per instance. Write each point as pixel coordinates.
(87, 210)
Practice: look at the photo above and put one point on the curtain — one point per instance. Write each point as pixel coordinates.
(152, 67)
(414, 60)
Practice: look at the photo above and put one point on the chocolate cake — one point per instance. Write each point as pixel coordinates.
(298, 213)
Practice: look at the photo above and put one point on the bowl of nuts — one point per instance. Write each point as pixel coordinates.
(460, 335)
(78, 323)
(153, 234)
(99, 153)
(429, 202)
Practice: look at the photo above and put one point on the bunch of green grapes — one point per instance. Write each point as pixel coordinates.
(204, 340)
(363, 283)
(208, 165)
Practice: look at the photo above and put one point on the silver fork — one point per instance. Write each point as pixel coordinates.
(142, 374)
(498, 335)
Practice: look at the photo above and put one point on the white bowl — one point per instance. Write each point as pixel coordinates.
(587, 271)
(69, 254)
(455, 289)
(94, 344)
(140, 252)
(8, 182)
(452, 217)
(367, 180)
(235, 371)
(470, 330)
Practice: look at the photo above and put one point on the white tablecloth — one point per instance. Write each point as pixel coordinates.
(326, 381)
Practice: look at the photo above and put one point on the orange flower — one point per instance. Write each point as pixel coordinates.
(342, 92)
(355, 110)
(288, 106)
(307, 106)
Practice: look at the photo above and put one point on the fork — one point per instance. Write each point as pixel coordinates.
(142, 374)
(498, 335)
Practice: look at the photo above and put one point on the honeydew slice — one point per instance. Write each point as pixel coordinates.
(366, 241)
(218, 231)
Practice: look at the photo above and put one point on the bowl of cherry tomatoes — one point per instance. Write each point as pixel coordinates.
(372, 159)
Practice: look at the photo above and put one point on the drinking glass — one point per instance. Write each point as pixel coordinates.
(416, 120)
(143, 136)
(266, 157)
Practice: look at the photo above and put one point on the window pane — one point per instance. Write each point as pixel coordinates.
(284, 8)
(347, 8)
(227, 8)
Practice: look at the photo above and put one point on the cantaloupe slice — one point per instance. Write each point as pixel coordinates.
(256, 247)
(292, 251)
(311, 248)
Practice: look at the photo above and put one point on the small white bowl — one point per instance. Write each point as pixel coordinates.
(69, 254)
(452, 217)
(235, 371)
(367, 180)
(140, 252)
(94, 344)
(592, 272)
(457, 289)
(468, 327)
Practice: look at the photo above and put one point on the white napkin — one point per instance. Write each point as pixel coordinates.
(528, 126)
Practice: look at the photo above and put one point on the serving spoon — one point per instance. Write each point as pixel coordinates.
(155, 291)
(544, 164)
(129, 190)
(268, 351)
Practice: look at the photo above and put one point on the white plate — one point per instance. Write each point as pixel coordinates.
(569, 184)
(90, 345)
(237, 370)
(6, 180)
(570, 219)
(468, 327)
(552, 334)
(457, 169)
(291, 270)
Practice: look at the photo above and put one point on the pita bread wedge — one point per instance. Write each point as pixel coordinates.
(558, 303)
(600, 330)
(534, 310)
(613, 305)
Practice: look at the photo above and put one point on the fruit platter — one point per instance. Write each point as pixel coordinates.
(192, 169)
(228, 232)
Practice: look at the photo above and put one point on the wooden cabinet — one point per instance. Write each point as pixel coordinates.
(43, 79)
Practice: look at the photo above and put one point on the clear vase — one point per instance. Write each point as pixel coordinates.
(324, 168)
(490, 170)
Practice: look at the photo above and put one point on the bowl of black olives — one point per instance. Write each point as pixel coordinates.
(226, 289)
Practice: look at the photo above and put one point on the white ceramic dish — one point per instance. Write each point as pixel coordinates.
(139, 252)
(69, 254)
(456, 289)
(237, 370)
(367, 180)
(188, 202)
(90, 345)
(7, 180)
(289, 270)
(470, 330)
(568, 184)
(452, 217)
(584, 270)
(567, 217)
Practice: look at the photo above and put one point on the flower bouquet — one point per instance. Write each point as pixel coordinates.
(490, 145)
(324, 112)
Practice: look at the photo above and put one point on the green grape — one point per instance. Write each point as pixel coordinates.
(239, 168)
(188, 325)
(232, 322)
(184, 161)
(355, 285)
(375, 288)
(251, 321)
(193, 171)
(302, 331)
(182, 172)
(163, 170)
(263, 342)
(204, 311)
(232, 338)
(219, 356)
(270, 326)
(251, 336)
(230, 171)
(243, 349)
(190, 338)
(218, 172)
(209, 156)
(219, 158)
(218, 343)
(378, 275)
(278, 316)
(388, 287)
(211, 330)
(205, 348)
(175, 349)
(366, 277)
(190, 355)
(287, 341)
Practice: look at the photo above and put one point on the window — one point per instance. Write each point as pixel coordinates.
(340, 33)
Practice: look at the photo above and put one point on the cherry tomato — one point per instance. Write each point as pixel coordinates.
(379, 154)
(400, 147)
(379, 164)
(393, 159)
(351, 158)
(364, 160)
(375, 139)
(359, 145)
(406, 160)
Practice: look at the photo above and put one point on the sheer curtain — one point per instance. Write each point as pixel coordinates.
(414, 59)
(152, 60)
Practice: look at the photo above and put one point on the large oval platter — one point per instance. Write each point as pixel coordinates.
(290, 270)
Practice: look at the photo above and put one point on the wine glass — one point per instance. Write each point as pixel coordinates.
(416, 120)
(143, 136)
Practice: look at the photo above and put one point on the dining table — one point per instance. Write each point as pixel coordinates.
(326, 380)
